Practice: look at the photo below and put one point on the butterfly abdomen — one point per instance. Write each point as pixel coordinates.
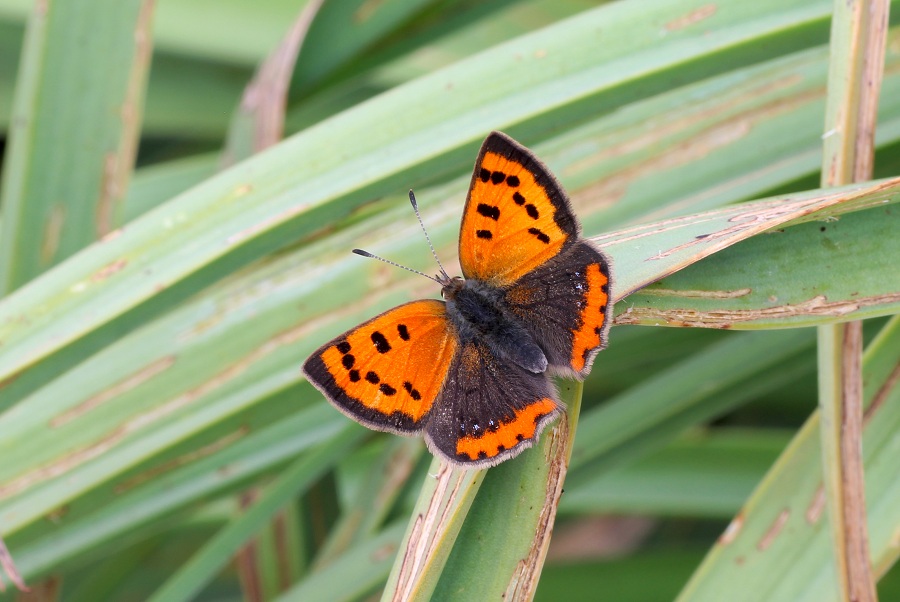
(475, 310)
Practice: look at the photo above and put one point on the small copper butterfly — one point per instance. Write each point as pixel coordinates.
(472, 372)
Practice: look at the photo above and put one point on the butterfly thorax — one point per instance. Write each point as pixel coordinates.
(478, 313)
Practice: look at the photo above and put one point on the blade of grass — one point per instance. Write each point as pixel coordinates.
(778, 548)
(354, 574)
(375, 498)
(501, 547)
(190, 579)
(79, 112)
(661, 399)
(146, 496)
(779, 280)
(440, 511)
(856, 67)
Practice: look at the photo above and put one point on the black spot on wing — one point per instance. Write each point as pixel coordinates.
(489, 211)
(539, 235)
(372, 377)
(484, 174)
(512, 181)
(485, 234)
(403, 331)
(497, 177)
(381, 342)
(518, 198)
(348, 361)
(532, 211)
(412, 392)
(387, 389)
(343, 347)
(354, 376)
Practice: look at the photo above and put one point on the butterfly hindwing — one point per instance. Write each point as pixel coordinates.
(489, 410)
(565, 304)
(387, 372)
(516, 216)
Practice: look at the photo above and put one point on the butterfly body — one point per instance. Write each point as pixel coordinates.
(472, 372)
(477, 312)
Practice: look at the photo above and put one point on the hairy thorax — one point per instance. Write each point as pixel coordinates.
(478, 315)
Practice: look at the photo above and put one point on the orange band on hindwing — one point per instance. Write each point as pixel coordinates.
(507, 434)
(593, 317)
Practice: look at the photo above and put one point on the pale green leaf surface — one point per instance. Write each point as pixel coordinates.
(442, 507)
(204, 565)
(785, 279)
(150, 494)
(83, 121)
(779, 546)
(356, 573)
(707, 474)
(664, 400)
(501, 547)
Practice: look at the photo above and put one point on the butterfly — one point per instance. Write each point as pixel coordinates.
(472, 372)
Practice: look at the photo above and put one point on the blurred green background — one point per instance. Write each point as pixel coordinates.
(166, 270)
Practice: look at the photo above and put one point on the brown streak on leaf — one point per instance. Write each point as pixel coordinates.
(151, 416)
(118, 165)
(817, 506)
(418, 549)
(852, 486)
(9, 566)
(665, 292)
(366, 10)
(109, 269)
(733, 530)
(121, 387)
(62, 466)
(524, 580)
(700, 14)
(777, 526)
(112, 235)
(192, 456)
(247, 564)
(110, 192)
(817, 306)
(53, 228)
(282, 536)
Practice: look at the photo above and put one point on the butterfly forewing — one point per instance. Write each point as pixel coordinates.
(516, 216)
(387, 372)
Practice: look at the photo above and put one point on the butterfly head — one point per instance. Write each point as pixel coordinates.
(450, 287)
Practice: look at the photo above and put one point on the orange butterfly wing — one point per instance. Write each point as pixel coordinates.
(516, 216)
(387, 372)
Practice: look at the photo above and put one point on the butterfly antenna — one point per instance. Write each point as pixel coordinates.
(415, 205)
(395, 264)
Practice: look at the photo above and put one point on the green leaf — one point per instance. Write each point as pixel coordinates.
(80, 117)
